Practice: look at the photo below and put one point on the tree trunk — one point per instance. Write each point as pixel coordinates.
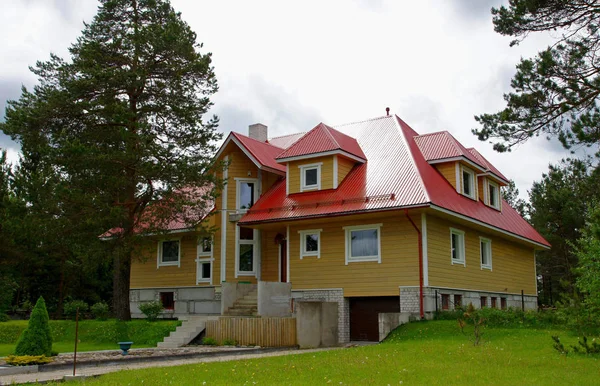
(121, 272)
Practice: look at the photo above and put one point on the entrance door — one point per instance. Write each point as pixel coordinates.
(283, 261)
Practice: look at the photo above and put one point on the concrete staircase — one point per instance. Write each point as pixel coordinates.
(184, 334)
(245, 306)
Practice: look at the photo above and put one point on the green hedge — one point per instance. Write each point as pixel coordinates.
(140, 331)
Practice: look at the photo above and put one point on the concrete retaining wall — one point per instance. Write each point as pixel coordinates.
(188, 301)
(388, 321)
(316, 324)
(329, 295)
(230, 292)
(274, 299)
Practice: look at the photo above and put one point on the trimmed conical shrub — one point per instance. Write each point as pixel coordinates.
(36, 339)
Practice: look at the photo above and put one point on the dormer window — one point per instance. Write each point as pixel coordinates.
(310, 177)
(493, 195)
(468, 183)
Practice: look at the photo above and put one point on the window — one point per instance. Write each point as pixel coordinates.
(246, 251)
(204, 270)
(310, 177)
(457, 242)
(485, 246)
(493, 195)
(363, 243)
(445, 301)
(167, 299)
(310, 243)
(483, 300)
(204, 246)
(493, 302)
(503, 303)
(168, 253)
(468, 183)
(457, 301)
(246, 193)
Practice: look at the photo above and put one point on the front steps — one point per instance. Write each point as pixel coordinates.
(245, 306)
(184, 334)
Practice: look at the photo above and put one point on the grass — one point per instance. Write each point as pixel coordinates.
(93, 334)
(432, 353)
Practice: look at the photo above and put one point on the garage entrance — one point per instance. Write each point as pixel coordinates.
(364, 320)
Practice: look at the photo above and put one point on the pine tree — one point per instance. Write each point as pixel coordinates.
(121, 124)
(36, 339)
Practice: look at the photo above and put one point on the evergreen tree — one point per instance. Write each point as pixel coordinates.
(36, 339)
(510, 193)
(555, 93)
(588, 252)
(120, 126)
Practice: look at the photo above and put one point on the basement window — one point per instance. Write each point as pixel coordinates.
(167, 299)
(503, 303)
(483, 301)
(169, 253)
(457, 301)
(445, 302)
(310, 243)
(494, 305)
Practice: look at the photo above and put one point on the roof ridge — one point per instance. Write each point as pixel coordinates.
(331, 135)
(364, 120)
(235, 133)
(434, 133)
(288, 135)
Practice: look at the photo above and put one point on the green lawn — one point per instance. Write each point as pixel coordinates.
(93, 334)
(427, 353)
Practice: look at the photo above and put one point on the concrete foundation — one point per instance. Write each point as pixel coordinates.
(316, 324)
(409, 299)
(188, 301)
(329, 295)
(274, 299)
(230, 292)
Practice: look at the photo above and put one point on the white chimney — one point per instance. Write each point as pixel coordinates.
(258, 131)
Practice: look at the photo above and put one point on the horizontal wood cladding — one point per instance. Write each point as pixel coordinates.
(146, 274)
(448, 170)
(326, 172)
(399, 259)
(344, 167)
(270, 255)
(513, 266)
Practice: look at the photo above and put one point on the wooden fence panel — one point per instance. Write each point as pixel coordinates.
(264, 332)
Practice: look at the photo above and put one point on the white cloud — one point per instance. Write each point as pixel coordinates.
(289, 65)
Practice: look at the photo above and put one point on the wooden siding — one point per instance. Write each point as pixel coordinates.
(326, 173)
(264, 332)
(399, 259)
(146, 274)
(448, 170)
(270, 255)
(344, 167)
(513, 267)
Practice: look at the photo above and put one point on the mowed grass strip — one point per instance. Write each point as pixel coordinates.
(425, 353)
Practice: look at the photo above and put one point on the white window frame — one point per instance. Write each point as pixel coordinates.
(488, 245)
(303, 251)
(348, 230)
(461, 235)
(203, 257)
(497, 187)
(473, 179)
(200, 246)
(199, 278)
(303, 169)
(160, 263)
(238, 182)
(255, 243)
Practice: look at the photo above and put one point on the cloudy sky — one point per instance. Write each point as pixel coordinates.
(291, 65)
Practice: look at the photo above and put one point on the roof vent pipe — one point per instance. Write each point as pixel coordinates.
(258, 131)
(387, 111)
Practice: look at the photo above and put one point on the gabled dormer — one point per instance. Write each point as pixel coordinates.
(465, 169)
(320, 160)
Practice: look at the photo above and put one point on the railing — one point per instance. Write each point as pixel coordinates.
(264, 332)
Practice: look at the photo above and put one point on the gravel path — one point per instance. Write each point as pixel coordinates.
(91, 371)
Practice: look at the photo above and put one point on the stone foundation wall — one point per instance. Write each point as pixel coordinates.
(329, 295)
(409, 299)
(188, 301)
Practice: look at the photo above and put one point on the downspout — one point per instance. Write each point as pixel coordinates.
(420, 238)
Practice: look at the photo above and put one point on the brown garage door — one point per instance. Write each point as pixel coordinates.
(364, 322)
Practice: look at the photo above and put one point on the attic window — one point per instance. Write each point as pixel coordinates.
(468, 183)
(310, 177)
(493, 196)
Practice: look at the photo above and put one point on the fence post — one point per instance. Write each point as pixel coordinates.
(522, 301)
(436, 302)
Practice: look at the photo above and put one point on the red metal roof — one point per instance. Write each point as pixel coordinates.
(320, 139)
(285, 141)
(488, 165)
(442, 145)
(263, 152)
(396, 175)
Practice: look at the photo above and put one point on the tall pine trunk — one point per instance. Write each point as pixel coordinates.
(121, 272)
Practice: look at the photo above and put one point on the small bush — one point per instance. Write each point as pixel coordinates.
(151, 309)
(72, 306)
(209, 342)
(229, 342)
(36, 339)
(100, 310)
(27, 360)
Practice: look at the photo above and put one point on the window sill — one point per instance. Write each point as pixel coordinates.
(459, 262)
(173, 264)
(471, 197)
(486, 267)
(318, 256)
(309, 188)
(364, 259)
(203, 281)
(246, 274)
